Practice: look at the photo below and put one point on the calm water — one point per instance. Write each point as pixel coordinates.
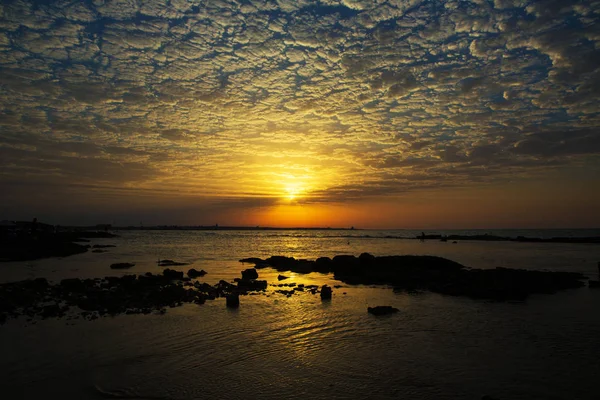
(275, 347)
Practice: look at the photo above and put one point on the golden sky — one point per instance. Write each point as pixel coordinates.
(369, 113)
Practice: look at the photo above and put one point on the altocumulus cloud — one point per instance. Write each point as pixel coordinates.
(368, 97)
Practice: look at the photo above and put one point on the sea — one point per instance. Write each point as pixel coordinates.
(278, 347)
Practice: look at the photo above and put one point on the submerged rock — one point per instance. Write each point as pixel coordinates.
(382, 310)
(282, 277)
(122, 265)
(170, 263)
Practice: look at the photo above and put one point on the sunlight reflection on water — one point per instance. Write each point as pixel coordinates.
(275, 347)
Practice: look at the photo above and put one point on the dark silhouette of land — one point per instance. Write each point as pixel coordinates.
(23, 241)
(494, 238)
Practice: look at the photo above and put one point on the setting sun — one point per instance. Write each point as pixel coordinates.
(292, 192)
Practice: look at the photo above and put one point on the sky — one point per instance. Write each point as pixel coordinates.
(366, 113)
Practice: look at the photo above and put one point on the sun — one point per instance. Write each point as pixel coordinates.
(292, 192)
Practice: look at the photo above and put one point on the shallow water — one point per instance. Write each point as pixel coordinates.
(275, 347)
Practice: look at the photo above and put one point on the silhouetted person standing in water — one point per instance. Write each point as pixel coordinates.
(422, 236)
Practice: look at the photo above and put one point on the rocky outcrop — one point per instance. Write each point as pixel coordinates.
(435, 274)
(250, 273)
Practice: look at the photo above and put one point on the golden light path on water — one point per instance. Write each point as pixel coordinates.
(279, 347)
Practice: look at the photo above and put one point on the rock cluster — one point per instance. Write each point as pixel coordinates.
(431, 273)
(129, 294)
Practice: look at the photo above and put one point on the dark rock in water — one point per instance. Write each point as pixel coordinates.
(282, 277)
(280, 262)
(122, 265)
(594, 284)
(382, 310)
(366, 258)
(103, 246)
(323, 265)
(193, 273)
(251, 285)
(170, 263)
(436, 274)
(347, 260)
(250, 273)
(172, 274)
(326, 292)
(232, 300)
(98, 251)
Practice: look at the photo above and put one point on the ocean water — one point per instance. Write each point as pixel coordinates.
(274, 347)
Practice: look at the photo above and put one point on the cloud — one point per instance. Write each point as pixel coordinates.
(360, 98)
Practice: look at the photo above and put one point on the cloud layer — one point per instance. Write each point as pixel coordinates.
(342, 100)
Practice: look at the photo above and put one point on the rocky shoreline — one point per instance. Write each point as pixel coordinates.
(153, 293)
(435, 274)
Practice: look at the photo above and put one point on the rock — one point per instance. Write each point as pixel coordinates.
(326, 292)
(278, 262)
(594, 284)
(170, 263)
(251, 285)
(382, 310)
(282, 277)
(122, 265)
(366, 258)
(346, 260)
(193, 273)
(98, 251)
(232, 300)
(323, 265)
(172, 274)
(250, 273)
(102, 246)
